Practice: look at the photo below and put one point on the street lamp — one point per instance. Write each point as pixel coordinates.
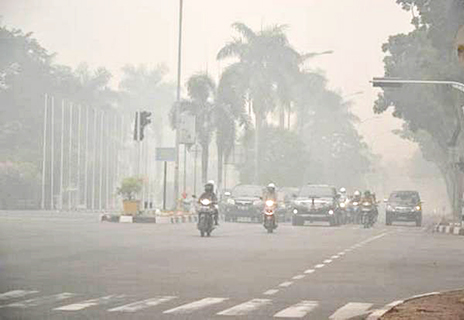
(397, 83)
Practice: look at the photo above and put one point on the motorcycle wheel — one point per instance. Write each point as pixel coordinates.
(202, 233)
(270, 230)
(208, 234)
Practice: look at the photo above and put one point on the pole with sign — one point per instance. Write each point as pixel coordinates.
(166, 155)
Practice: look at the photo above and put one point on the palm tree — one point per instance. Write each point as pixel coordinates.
(265, 68)
(201, 103)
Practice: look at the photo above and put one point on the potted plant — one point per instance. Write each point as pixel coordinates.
(129, 189)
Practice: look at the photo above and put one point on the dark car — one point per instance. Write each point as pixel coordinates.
(316, 203)
(244, 203)
(404, 206)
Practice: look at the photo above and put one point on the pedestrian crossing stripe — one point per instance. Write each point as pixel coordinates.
(298, 310)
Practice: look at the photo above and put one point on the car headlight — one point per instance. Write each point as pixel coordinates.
(390, 208)
(295, 211)
(342, 205)
(269, 203)
(331, 212)
(355, 203)
(231, 201)
(418, 208)
(205, 202)
(256, 202)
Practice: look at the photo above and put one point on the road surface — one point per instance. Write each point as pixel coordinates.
(70, 266)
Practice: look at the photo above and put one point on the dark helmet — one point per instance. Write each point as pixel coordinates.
(209, 186)
(367, 193)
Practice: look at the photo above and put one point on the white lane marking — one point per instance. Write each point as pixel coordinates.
(245, 308)
(380, 312)
(298, 277)
(309, 271)
(327, 261)
(318, 266)
(140, 305)
(348, 250)
(271, 292)
(298, 310)
(16, 294)
(196, 305)
(41, 300)
(335, 257)
(341, 253)
(90, 303)
(350, 310)
(286, 284)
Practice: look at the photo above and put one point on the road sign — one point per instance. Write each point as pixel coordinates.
(165, 154)
(187, 129)
(460, 45)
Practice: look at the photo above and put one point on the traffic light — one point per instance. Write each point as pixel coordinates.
(144, 121)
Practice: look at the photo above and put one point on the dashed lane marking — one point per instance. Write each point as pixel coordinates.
(335, 257)
(327, 261)
(298, 277)
(40, 300)
(140, 305)
(245, 308)
(350, 310)
(90, 303)
(194, 306)
(318, 266)
(16, 294)
(298, 310)
(286, 284)
(309, 271)
(271, 292)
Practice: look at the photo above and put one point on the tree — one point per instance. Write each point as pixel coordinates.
(130, 188)
(427, 52)
(265, 69)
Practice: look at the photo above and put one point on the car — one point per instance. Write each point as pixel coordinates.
(316, 203)
(285, 198)
(244, 203)
(403, 206)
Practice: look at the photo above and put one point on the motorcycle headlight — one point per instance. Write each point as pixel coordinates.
(366, 203)
(269, 203)
(331, 212)
(231, 201)
(342, 205)
(355, 203)
(205, 202)
(418, 208)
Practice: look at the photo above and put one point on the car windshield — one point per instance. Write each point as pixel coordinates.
(247, 191)
(316, 192)
(404, 198)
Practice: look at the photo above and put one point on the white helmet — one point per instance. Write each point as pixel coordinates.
(271, 185)
(357, 193)
(342, 190)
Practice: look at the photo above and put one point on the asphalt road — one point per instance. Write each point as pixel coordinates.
(56, 266)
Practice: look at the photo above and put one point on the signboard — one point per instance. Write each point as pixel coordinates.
(187, 129)
(165, 154)
(460, 45)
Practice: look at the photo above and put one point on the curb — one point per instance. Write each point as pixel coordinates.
(152, 219)
(450, 230)
(378, 314)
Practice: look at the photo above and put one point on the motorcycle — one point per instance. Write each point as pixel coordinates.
(344, 213)
(269, 216)
(205, 217)
(368, 212)
(354, 212)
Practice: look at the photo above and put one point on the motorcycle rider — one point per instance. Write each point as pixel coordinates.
(209, 194)
(370, 197)
(270, 193)
(356, 196)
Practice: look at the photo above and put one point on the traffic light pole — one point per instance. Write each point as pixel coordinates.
(179, 63)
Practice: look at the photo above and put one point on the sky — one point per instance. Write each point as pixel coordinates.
(112, 33)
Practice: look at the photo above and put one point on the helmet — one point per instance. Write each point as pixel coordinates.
(367, 193)
(342, 190)
(357, 193)
(209, 186)
(271, 186)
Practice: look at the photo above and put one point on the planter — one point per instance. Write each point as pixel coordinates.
(131, 207)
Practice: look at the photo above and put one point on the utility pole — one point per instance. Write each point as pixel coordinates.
(179, 64)
(86, 154)
(44, 152)
(78, 155)
(70, 154)
(62, 154)
(52, 160)
(94, 157)
(100, 192)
